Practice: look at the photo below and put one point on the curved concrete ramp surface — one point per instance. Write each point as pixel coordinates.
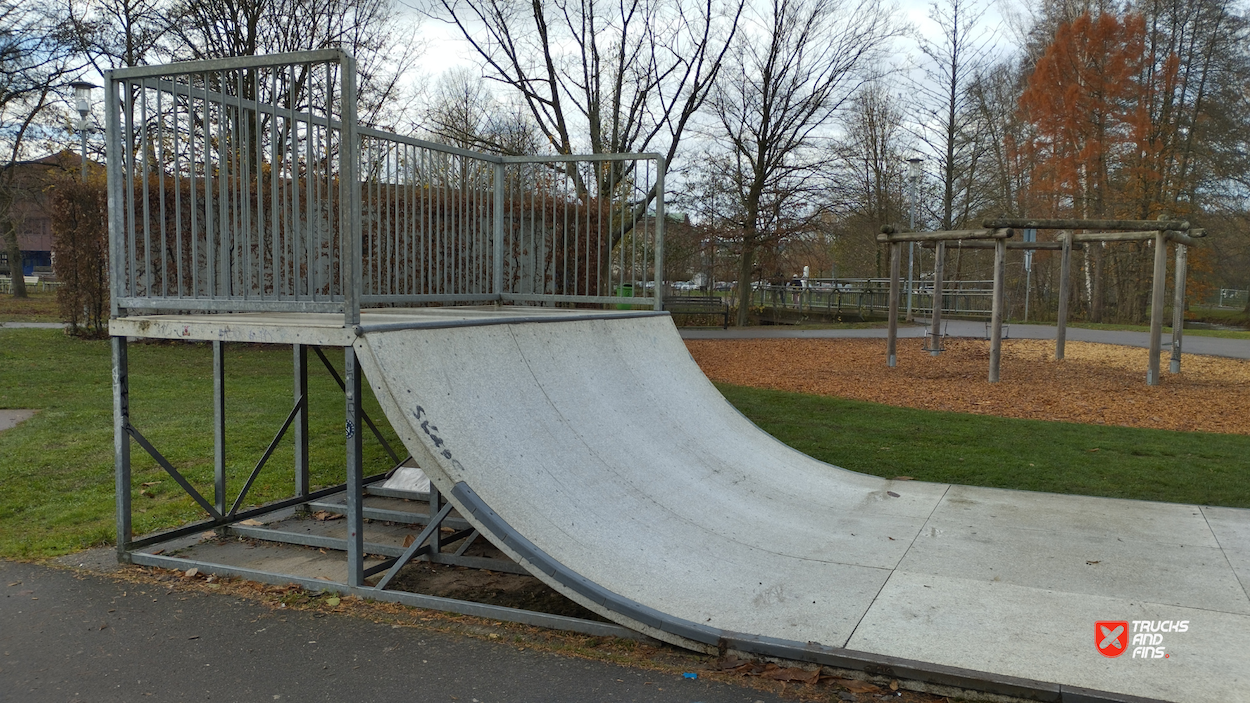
(596, 453)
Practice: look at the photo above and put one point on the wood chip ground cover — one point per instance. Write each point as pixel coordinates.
(1098, 384)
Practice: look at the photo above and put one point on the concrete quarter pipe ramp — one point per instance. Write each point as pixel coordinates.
(596, 453)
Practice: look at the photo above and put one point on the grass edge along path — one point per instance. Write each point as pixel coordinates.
(983, 450)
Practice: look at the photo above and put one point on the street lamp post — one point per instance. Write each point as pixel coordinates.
(82, 99)
(914, 173)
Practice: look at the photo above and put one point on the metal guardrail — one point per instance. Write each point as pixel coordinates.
(247, 184)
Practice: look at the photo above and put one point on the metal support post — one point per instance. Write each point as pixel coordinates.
(659, 232)
(219, 428)
(1065, 290)
(355, 471)
(121, 446)
(301, 420)
(1178, 306)
(891, 344)
(996, 314)
(1156, 308)
(935, 334)
(436, 506)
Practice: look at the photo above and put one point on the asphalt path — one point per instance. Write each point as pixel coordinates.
(72, 636)
(1190, 344)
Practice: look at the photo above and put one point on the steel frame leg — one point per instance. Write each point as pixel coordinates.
(301, 420)
(121, 446)
(219, 427)
(355, 477)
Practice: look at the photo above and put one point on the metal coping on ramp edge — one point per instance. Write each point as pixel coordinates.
(838, 657)
(529, 319)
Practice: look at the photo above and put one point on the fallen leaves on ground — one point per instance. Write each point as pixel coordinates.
(324, 515)
(1094, 384)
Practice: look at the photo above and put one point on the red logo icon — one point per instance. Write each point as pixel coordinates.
(1111, 637)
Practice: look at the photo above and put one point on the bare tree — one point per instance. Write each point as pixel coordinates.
(948, 123)
(795, 62)
(117, 33)
(385, 47)
(869, 184)
(464, 112)
(36, 62)
(603, 77)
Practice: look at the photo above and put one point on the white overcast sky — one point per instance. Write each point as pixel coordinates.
(446, 48)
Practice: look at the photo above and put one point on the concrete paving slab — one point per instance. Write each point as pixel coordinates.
(1107, 565)
(1231, 527)
(1145, 521)
(1049, 635)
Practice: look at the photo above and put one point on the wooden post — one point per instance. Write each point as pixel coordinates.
(1065, 290)
(892, 337)
(1156, 308)
(996, 316)
(1178, 307)
(935, 333)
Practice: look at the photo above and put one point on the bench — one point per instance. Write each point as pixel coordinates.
(697, 305)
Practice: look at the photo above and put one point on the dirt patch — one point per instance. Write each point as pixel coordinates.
(1098, 384)
(12, 417)
(491, 587)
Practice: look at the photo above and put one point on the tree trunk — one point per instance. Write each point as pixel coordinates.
(1097, 285)
(15, 262)
(745, 266)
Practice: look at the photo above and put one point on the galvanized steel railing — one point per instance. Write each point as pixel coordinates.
(246, 184)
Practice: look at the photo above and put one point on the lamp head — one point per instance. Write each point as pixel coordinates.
(82, 96)
(914, 166)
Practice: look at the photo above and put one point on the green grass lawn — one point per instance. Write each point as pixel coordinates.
(57, 467)
(1058, 457)
(37, 307)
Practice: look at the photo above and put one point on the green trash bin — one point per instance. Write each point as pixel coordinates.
(625, 290)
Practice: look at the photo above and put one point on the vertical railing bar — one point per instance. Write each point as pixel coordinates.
(564, 230)
(293, 237)
(444, 209)
(132, 249)
(193, 190)
(224, 236)
(238, 155)
(255, 79)
(210, 252)
(301, 275)
(160, 158)
(498, 184)
(463, 230)
(646, 189)
(275, 196)
(245, 189)
(541, 261)
(177, 173)
(145, 146)
(424, 236)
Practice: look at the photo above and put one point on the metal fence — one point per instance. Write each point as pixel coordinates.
(865, 296)
(1232, 298)
(247, 184)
